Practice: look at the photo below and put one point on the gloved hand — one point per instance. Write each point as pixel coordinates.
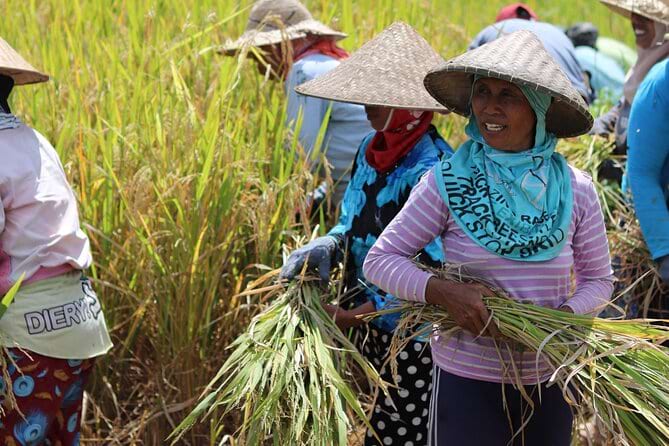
(663, 269)
(317, 254)
(605, 124)
(601, 127)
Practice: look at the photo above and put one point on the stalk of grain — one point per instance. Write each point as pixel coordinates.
(618, 366)
(288, 374)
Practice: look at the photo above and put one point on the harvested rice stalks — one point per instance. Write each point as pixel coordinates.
(288, 374)
(618, 366)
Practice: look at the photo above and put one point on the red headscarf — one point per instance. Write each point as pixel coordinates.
(327, 47)
(402, 132)
(511, 12)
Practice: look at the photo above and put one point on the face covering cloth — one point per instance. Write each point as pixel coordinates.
(402, 132)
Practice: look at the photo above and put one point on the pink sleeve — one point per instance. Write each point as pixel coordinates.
(592, 261)
(389, 263)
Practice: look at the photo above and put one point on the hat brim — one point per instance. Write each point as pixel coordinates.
(451, 85)
(626, 11)
(375, 103)
(24, 77)
(300, 30)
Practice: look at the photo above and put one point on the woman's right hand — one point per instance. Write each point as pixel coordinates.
(464, 302)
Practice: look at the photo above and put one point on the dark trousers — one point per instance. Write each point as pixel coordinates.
(467, 412)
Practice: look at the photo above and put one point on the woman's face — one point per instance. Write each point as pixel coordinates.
(644, 30)
(503, 114)
(378, 116)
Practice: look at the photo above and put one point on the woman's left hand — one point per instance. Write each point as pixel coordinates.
(346, 319)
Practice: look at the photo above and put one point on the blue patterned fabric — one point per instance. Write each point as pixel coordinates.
(370, 202)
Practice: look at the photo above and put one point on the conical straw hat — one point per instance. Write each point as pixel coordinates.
(16, 67)
(519, 58)
(386, 71)
(657, 10)
(274, 21)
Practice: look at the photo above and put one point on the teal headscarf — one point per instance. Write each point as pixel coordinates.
(515, 205)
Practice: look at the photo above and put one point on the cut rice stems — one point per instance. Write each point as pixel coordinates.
(288, 375)
(618, 366)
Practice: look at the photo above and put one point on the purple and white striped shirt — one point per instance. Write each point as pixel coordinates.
(426, 216)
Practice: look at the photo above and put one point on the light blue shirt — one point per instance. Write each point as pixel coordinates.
(606, 76)
(648, 158)
(554, 40)
(347, 127)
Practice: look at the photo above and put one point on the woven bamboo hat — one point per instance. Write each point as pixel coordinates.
(274, 21)
(657, 10)
(519, 58)
(16, 67)
(386, 71)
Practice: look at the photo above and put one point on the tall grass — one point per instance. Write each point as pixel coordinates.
(177, 158)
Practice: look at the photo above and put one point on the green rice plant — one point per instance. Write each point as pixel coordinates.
(617, 366)
(177, 158)
(288, 374)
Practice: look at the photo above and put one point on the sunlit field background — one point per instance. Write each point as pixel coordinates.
(177, 156)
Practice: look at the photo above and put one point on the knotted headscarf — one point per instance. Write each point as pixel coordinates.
(515, 205)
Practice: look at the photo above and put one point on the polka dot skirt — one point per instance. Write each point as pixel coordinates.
(402, 418)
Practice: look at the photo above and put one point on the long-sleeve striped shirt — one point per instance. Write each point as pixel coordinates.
(425, 216)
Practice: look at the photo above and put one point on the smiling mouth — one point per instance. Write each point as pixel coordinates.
(639, 32)
(494, 128)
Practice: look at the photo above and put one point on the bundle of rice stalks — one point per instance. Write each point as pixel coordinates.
(6, 359)
(616, 365)
(288, 374)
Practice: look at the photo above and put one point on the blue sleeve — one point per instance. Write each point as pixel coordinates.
(648, 158)
(311, 111)
(481, 38)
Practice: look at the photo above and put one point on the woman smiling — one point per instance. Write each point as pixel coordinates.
(510, 209)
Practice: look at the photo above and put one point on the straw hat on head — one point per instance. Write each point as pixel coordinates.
(519, 58)
(16, 67)
(274, 21)
(386, 71)
(657, 10)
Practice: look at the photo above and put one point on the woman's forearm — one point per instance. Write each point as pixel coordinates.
(389, 263)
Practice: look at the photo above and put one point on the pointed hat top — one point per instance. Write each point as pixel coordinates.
(519, 58)
(386, 71)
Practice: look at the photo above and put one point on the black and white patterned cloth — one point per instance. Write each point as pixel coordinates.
(400, 419)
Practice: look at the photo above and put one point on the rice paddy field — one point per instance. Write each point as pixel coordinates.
(178, 158)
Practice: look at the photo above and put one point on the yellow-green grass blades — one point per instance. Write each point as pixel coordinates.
(289, 375)
(8, 298)
(614, 368)
(176, 156)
